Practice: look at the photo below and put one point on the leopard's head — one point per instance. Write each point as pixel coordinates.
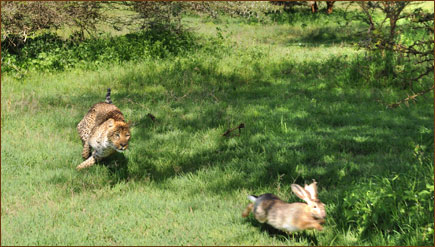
(119, 135)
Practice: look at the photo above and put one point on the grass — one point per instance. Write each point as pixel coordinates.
(182, 183)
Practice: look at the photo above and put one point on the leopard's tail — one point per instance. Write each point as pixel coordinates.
(108, 100)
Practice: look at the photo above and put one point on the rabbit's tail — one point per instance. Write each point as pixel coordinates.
(252, 198)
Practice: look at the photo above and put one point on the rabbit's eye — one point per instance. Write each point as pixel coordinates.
(315, 206)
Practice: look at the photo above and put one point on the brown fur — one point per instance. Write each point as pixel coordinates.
(104, 130)
(289, 217)
(278, 214)
(247, 210)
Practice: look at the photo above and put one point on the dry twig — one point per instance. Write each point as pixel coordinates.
(410, 98)
(227, 133)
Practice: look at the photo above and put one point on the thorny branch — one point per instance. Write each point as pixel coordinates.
(410, 98)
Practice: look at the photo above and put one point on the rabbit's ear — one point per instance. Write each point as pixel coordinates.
(301, 192)
(312, 189)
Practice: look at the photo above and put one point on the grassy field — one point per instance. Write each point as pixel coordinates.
(182, 183)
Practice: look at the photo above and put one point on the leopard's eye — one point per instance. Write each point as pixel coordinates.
(117, 135)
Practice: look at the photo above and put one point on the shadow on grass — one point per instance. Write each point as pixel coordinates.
(297, 122)
(117, 164)
(300, 125)
(324, 29)
(300, 236)
(327, 36)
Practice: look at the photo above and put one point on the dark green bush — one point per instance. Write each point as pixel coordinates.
(401, 203)
(48, 52)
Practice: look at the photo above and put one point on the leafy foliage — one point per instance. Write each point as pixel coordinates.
(308, 100)
(398, 203)
(257, 11)
(402, 42)
(49, 53)
(159, 14)
(23, 20)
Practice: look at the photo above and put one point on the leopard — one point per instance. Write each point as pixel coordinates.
(103, 131)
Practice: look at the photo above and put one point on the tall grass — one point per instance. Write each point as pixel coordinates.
(182, 183)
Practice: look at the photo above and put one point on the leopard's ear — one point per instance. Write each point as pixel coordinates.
(111, 123)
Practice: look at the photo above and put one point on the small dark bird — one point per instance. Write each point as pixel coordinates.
(227, 133)
(242, 125)
(152, 117)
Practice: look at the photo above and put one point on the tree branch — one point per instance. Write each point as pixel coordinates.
(410, 98)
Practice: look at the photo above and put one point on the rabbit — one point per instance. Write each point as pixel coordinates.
(289, 217)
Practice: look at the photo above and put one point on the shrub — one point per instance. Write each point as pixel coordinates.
(18, 27)
(48, 52)
(404, 43)
(402, 202)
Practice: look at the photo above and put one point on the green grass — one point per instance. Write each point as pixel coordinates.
(182, 183)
